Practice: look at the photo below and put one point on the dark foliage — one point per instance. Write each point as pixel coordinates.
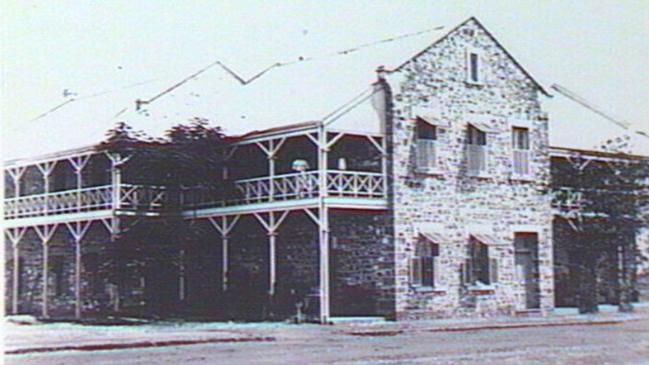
(157, 249)
(189, 155)
(613, 199)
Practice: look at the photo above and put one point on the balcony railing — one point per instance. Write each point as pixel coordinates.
(293, 186)
(281, 187)
(141, 198)
(304, 185)
(131, 197)
(86, 199)
(145, 197)
(567, 199)
(356, 184)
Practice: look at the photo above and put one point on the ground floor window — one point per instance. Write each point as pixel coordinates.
(91, 273)
(22, 282)
(479, 267)
(424, 265)
(57, 270)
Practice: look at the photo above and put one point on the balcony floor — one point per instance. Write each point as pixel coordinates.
(331, 202)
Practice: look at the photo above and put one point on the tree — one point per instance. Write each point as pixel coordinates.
(613, 197)
(189, 157)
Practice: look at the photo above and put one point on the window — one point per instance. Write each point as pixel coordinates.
(521, 150)
(424, 263)
(474, 75)
(91, 273)
(477, 137)
(479, 267)
(58, 279)
(22, 282)
(521, 138)
(426, 145)
(477, 150)
(474, 67)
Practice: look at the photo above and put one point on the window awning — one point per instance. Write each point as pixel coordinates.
(434, 237)
(520, 122)
(482, 122)
(433, 232)
(484, 127)
(434, 120)
(487, 239)
(432, 116)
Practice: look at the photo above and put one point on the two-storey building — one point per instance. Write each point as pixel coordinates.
(442, 211)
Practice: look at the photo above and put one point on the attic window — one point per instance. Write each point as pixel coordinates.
(473, 66)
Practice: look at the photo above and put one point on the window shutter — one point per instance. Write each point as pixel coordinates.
(422, 157)
(436, 271)
(493, 271)
(466, 272)
(428, 272)
(463, 273)
(415, 271)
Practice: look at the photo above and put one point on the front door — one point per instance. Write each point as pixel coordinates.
(527, 268)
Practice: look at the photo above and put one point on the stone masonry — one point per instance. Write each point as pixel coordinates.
(457, 203)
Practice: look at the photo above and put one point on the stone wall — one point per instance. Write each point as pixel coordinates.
(448, 197)
(362, 265)
(361, 268)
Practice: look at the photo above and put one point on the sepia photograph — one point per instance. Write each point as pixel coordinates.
(325, 183)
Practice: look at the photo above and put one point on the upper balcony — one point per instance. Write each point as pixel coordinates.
(271, 172)
(155, 200)
(288, 187)
(127, 197)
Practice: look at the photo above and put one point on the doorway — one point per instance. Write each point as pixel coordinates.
(526, 247)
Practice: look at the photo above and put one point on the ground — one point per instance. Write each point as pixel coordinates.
(603, 339)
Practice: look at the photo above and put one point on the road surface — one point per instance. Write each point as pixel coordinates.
(620, 343)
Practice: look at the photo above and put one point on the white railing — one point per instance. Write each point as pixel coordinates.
(304, 185)
(201, 197)
(522, 162)
(143, 197)
(86, 199)
(356, 184)
(567, 199)
(298, 185)
(131, 197)
(426, 154)
(477, 159)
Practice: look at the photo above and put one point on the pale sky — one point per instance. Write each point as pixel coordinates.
(596, 48)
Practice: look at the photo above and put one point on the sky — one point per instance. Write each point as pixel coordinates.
(107, 54)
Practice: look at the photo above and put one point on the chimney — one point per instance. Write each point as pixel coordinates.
(381, 72)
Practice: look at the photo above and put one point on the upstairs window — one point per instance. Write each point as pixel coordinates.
(474, 67)
(426, 146)
(424, 265)
(521, 150)
(521, 138)
(476, 137)
(476, 151)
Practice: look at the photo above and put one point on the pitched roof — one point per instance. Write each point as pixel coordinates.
(494, 39)
(304, 91)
